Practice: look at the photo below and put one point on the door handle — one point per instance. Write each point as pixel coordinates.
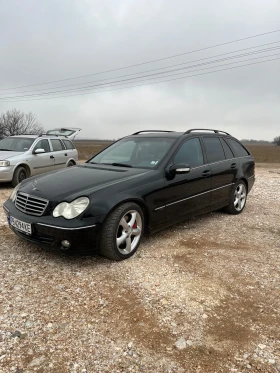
(51, 157)
(233, 165)
(206, 173)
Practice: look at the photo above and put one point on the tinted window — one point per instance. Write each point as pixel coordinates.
(68, 144)
(214, 149)
(190, 153)
(237, 148)
(43, 144)
(57, 145)
(228, 152)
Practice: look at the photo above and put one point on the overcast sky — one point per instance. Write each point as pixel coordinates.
(44, 41)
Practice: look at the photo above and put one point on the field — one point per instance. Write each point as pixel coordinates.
(261, 153)
(87, 149)
(265, 153)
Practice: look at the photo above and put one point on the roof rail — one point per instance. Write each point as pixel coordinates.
(204, 129)
(136, 133)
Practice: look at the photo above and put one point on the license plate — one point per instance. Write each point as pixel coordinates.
(20, 225)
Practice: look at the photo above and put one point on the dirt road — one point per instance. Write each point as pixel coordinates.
(203, 296)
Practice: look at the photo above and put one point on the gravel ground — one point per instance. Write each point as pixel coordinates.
(202, 296)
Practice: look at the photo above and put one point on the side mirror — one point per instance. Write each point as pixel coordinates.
(39, 151)
(180, 168)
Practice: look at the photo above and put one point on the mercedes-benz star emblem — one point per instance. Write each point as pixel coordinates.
(34, 183)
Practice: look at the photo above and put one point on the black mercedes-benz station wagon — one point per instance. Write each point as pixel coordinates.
(141, 183)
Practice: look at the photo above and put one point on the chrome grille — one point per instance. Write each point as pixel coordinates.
(30, 204)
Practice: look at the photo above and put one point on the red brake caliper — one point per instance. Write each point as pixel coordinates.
(134, 225)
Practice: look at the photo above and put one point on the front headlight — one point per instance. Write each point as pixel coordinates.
(4, 163)
(71, 210)
(14, 193)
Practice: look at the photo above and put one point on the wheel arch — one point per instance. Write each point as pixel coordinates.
(140, 203)
(26, 166)
(71, 160)
(246, 182)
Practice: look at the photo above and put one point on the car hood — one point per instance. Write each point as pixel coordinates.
(7, 154)
(82, 180)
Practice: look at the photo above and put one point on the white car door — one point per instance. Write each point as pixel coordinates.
(60, 153)
(72, 152)
(43, 162)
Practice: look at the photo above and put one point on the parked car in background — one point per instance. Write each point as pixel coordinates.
(143, 182)
(24, 156)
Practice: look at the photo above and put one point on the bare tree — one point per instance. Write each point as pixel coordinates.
(276, 141)
(15, 122)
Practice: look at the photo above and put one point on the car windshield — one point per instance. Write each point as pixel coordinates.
(16, 144)
(138, 152)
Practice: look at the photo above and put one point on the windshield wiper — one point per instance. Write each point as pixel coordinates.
(7, 150)
(118, 164)
(121, 164)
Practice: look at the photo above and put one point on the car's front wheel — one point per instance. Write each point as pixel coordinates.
(122, 232)
(20, 174)
(238, 198)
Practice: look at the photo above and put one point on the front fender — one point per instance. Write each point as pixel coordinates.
(23, 163)
(99, 206)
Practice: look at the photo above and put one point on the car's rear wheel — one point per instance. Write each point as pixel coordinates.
(71, 164)
(122, 232)
(238, 198)
(20, 174)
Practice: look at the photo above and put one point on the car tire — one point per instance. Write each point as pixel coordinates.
(20, 174)
(71, 164)
(238, 198)
(117, 240)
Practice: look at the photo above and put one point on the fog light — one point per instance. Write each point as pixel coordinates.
(65, 244)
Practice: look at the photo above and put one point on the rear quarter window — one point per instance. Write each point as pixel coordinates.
(228, 152)
(68, 144)
(237, 148)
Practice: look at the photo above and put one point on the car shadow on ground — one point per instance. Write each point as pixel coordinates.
(6, 186)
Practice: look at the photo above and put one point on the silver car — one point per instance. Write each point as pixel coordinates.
(28, 155)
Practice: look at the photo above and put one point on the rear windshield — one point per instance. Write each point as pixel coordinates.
(139, 152)
(61, 132)
(16, 144)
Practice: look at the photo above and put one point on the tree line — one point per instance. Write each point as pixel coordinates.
(14, 122)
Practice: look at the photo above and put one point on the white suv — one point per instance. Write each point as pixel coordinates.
(28, 155)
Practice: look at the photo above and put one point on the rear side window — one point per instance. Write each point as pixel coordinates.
(228, 152)
(43, 144)
(214, 149)
(68, 144)
(238, 149)
(190, 153)
(57, 145)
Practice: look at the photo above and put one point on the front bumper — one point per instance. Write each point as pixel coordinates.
(82, 236)
(6, 174)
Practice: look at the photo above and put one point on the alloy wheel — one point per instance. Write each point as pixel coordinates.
(240, 194)
(129, 232)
